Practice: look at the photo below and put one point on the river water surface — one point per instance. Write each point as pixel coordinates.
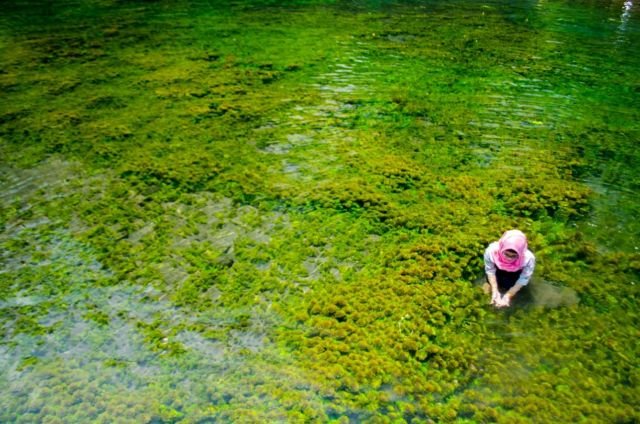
(275, 211)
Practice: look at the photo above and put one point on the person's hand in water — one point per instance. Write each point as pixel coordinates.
(495, 297)
(504, 301)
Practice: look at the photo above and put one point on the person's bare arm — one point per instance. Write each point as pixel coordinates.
(513, 290)
(495, 293)
(493, 282)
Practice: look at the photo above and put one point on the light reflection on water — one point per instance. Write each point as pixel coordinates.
(624, 19)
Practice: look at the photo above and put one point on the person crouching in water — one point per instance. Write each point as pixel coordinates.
(509, 266)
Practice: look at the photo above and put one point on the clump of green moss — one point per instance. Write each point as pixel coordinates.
(187, 170)
(536, 199)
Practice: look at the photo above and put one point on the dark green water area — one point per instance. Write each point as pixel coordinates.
(271, 211)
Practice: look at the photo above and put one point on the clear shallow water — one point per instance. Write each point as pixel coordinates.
(267, 212)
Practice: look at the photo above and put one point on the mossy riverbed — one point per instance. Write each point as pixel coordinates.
(275, 211)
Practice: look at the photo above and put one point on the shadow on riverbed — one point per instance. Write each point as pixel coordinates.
(551, 295)
(541, 293)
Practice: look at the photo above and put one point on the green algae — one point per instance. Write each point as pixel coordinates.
(275, 212)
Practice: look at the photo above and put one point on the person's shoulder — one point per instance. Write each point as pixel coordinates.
(493, 246)
(529, 256)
